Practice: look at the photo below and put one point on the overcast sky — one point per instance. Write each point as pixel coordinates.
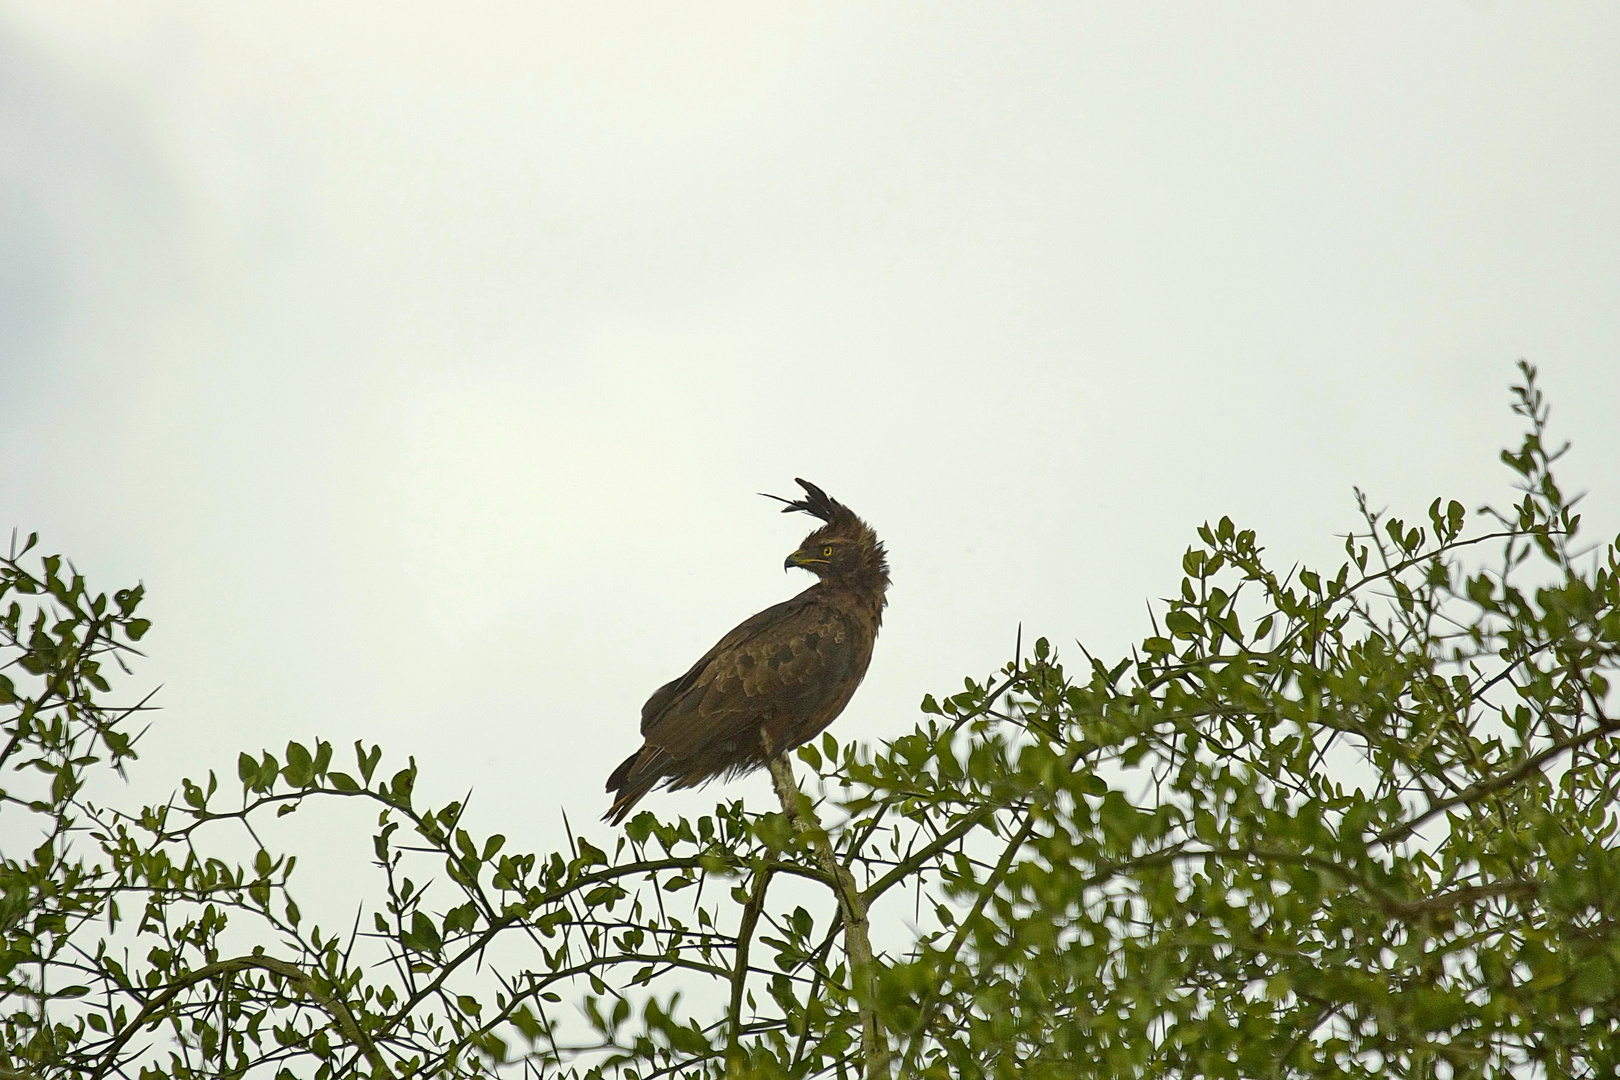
(425, 360)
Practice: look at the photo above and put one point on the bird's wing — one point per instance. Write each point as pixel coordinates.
(796, 657)
(775, 615)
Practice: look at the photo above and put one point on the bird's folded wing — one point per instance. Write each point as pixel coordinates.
(795, 662)
(776, 615)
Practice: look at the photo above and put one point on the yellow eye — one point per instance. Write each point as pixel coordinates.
(826, 552)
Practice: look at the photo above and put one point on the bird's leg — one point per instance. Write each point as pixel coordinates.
(851, 905)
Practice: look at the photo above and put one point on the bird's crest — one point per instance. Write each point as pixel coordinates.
(818, 503)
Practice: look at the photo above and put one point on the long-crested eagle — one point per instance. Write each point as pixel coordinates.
(777, 680)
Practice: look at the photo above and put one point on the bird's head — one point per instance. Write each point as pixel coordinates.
(826, 556)
(845, 550)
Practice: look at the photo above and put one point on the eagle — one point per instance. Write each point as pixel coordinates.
(778, 679)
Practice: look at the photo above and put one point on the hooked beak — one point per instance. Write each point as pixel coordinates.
(801, 560)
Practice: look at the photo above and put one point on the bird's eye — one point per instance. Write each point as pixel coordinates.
(826, 552)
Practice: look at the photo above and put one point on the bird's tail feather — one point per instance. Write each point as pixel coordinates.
(629, 784)
(625, 803)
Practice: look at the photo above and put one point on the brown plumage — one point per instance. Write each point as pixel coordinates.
(778, 679)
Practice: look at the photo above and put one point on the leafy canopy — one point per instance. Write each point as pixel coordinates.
(1354, 822)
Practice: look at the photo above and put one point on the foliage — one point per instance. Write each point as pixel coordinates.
(1346, 823)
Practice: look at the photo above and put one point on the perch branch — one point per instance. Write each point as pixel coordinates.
(852, 908)
(745, 937)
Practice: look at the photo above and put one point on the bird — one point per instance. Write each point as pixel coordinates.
(779, 678)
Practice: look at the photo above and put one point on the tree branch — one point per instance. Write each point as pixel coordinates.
(1496, 783)
(986, 891)
(745, 937)
(857, 939)
(333, 1004)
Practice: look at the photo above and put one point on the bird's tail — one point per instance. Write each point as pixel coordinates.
(629, 784)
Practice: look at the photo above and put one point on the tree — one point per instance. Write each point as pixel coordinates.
(1355, 822)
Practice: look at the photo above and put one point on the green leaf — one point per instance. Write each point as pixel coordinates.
(404, 781)
(423, 935)
(343, 781)
(1183, 625)
(300, 765)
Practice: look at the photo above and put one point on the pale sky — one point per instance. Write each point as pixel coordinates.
(425, 360)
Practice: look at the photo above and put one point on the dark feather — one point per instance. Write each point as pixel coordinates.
(816, 503)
